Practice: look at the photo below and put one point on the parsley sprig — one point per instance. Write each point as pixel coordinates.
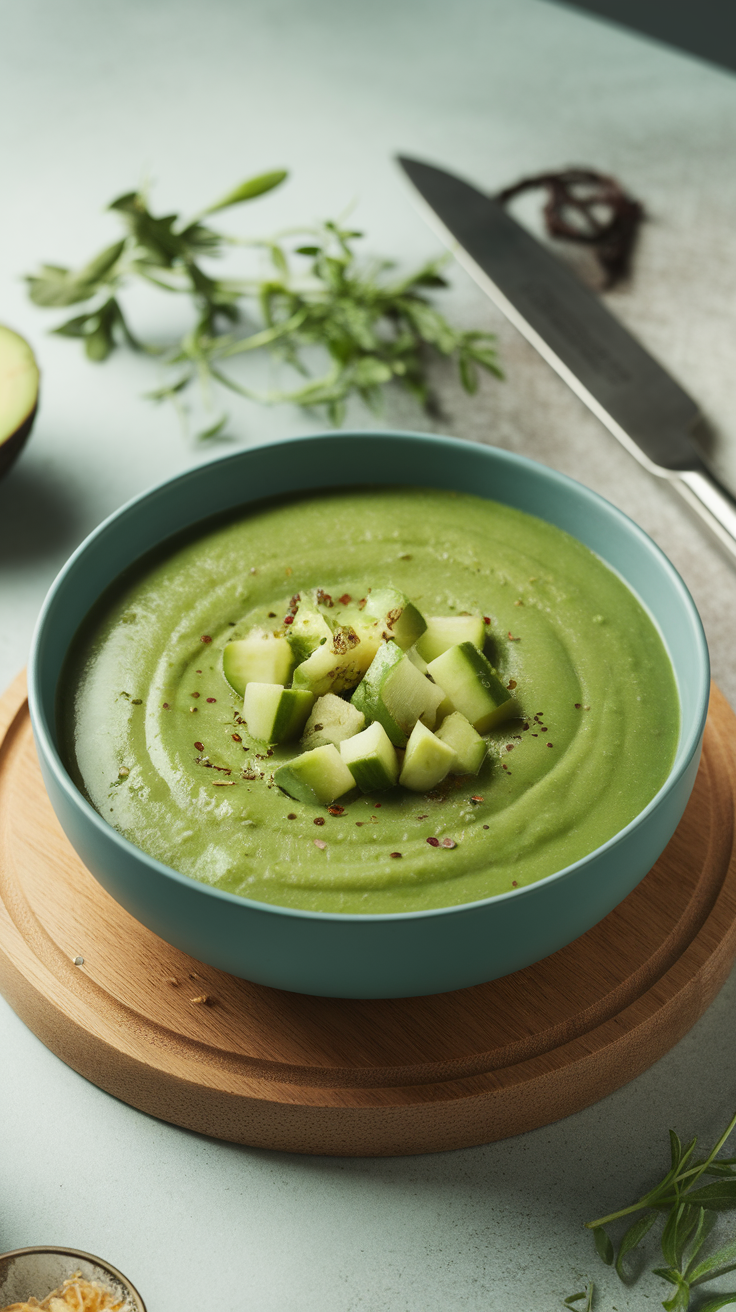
(690, 1208)
(375, 327)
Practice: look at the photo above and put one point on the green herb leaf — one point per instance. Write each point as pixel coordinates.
(715, 1304)
(587, 1294)
(718, 1264)
(257, 186)
(719, 1196)
(603, 1245)
(633, 1238)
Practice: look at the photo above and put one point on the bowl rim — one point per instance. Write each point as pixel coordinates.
(86, 1257)
(686, 748)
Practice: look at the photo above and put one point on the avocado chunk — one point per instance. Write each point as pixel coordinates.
(472, 686)
(398, 616)
(309, 629)
(445, 631)
(275, 714)
(470, 749)
(395, 693)
(427, 760)
(371, 758)
(332, 720)
(18, 394)
(337, 665)
(259, 658)
(317, 777)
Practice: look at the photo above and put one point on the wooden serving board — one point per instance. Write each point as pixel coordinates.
(191, 1045)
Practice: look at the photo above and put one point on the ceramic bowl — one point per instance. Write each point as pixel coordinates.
(365, 956)
(37, 1272)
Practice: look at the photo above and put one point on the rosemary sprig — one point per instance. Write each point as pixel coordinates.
(374, 327)
(690, 1210)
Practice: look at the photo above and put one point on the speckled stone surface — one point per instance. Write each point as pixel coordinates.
(92, 98)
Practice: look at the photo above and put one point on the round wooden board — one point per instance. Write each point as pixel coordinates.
(231, 1059)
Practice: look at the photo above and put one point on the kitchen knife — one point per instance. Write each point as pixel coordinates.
(572, 329)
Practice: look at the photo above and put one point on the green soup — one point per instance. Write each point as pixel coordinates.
(155, 739)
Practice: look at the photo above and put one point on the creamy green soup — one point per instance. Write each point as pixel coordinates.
(156, 741)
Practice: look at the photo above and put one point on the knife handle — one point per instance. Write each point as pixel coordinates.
(713, 505)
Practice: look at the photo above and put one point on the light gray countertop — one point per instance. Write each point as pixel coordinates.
(93, 97)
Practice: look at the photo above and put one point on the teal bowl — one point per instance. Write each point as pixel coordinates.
(370, 956)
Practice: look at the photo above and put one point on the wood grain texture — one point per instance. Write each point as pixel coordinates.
(191, 1045)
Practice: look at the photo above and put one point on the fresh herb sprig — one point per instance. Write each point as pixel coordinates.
(690, 1209)
(375, 327)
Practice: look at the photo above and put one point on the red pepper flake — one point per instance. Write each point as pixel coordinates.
(194, 694)
(422, 817)
(319, 819)
(360, 823)
(336, 810)
(291, 815)
(362, 602)
(272, 614)
(269, 751)
(377, 803)
(504, 766)
(324, 598)
(509, 747)
(486, 826)
(236, 738)
(511, 684)
(396, 854)
(166, 706)
(549, 744)
(486, 619)
(476, 798)
(514, 884)
(577, 706)
(197, 671)
(433, 842)
(449, 842)
(345, 600)
(205, 638)
(199, 747)
(525, 727)
(512, 638)
(288, 619)
(211, 699)
(320, 843)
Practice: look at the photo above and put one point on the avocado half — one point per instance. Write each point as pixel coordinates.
(18, 395)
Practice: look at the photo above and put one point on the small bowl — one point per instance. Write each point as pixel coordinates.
(363, 956)
(36, 1272)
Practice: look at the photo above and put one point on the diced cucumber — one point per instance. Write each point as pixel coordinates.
(427, 760)
(308, 630)
(316, 777)
(445, 631)
(339, 664)
(274, 714)
(371, 758)
(396, 694)
(260, 658)
(469, 747)
(398, 616)
(417, 660)
(331, 721)
(472, 686)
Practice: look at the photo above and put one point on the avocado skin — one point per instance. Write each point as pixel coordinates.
(11, 447)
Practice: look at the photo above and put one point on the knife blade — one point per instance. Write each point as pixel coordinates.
(633, 395)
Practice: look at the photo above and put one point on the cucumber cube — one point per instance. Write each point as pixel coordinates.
(316, 777)
(371, 758)
(309, 629)
(331, 721)
(472, 686)
(261, 657)
(445, 631)
(274, 714)
(427, 760)
(339, 664)
(395, 693)
(469, 747)
(399, 617)
(416, 659)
